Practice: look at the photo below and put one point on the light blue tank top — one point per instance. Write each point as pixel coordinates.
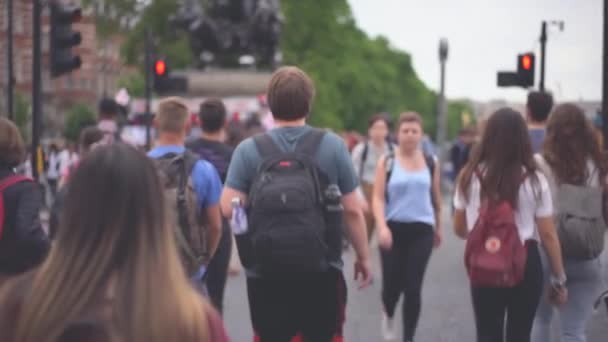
(409, 196)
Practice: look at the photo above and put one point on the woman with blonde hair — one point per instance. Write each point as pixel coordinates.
(113, 273)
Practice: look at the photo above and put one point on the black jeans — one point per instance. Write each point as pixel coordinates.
(403, 268)
(516, 305)
(283, 306)
(217, 271)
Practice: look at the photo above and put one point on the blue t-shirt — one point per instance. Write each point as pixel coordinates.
(205, 178)
(537, 137)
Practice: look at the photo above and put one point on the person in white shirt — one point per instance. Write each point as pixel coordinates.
(502, 170)
(53, 172)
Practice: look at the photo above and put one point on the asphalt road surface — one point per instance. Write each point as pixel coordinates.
(446, 309)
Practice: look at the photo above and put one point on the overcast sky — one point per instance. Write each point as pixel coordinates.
(486, 35)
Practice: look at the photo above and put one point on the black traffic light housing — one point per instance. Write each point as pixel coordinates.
(163, 82)
(63, 38)
(523, 77)
(525, 69)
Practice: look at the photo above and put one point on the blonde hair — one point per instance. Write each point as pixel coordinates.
(172, 115)
(114, 255)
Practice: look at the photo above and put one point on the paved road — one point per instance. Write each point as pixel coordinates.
(446, 312)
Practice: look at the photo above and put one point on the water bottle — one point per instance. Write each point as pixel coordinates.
(238, 222)
(333, 206)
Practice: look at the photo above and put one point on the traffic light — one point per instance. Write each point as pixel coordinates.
(160, 74)
(525, 69)
(63, 38)
(523, 77)
(164, 83)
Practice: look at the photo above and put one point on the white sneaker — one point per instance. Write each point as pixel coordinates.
(388, 328)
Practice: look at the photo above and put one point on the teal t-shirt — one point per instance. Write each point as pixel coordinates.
(332, 158)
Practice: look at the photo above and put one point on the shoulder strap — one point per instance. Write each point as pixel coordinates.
(430, 163)
(265, 145)
(363, 158)
(309, 143)
(389, 161)
(12, 180)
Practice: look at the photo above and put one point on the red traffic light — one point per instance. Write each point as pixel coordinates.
(160, 67)
(526, 62)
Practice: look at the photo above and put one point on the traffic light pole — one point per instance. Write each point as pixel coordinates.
(9, 51)
(605, 79)
(37, 87)
(543, 47)
(148, 79)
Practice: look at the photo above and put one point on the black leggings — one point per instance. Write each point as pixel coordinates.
(403, 269)
(517, 305)
(217, 272)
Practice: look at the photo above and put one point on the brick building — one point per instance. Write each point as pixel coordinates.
(101, 65)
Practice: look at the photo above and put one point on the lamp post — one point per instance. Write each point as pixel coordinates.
(442, 104)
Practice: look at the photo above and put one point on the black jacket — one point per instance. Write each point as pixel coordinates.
(23, 244)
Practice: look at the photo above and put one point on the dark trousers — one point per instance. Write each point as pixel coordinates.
(312, 305)
(511, 309)
(403, 268)
(217, 271)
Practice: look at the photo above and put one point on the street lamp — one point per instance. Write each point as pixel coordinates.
(442, 105)
(543, 45)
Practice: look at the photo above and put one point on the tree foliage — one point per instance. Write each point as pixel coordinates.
(355, 75)
(79, 117)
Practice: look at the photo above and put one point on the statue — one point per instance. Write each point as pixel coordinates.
(225, 32)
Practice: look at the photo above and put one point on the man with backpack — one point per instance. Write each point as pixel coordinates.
(192, 187)
(210, 147)
(295, 183)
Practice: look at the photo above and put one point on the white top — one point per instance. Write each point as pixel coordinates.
(53, 171)
(532, 203)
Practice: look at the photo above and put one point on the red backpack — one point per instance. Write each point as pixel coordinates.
(5, 183)
(494, 254)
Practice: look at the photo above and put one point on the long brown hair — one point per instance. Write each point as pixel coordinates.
(504, 156)
(114, 246)
(570, 143)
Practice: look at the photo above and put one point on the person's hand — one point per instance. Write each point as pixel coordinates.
(385, 238)
(558, 295)
(438, 238)
(363, 273)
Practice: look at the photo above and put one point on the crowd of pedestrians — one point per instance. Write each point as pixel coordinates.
(139, 244)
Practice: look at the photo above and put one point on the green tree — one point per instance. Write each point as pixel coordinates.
(79, 117)
(172, 45)
(114, 16)
(135, 84)
(355, 75)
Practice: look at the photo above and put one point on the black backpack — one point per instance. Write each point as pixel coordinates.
(288, 230)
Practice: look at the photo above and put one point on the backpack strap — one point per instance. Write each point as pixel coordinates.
(7, 182)
(430, 163)
(266, 146)
(309, 143)
(363, 158)
(389, 161)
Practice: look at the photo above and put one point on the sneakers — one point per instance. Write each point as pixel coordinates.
(388, 328)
